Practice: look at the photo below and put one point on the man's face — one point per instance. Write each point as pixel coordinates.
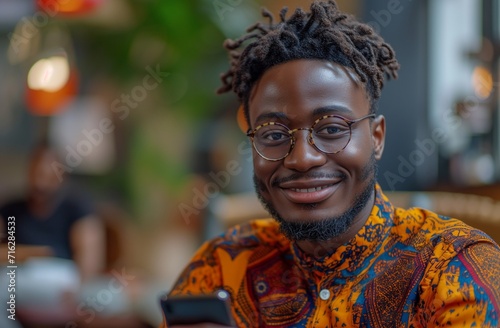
(42, 179)
(313, 194)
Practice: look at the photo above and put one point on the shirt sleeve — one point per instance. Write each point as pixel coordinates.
(467, 293)
(201, 276)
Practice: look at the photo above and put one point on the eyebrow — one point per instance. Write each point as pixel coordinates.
(333, 109)
(326, 110)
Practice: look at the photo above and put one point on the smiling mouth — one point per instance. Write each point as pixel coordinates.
(304, 190)
(309, 195)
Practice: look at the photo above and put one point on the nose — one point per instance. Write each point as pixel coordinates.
(304, 155)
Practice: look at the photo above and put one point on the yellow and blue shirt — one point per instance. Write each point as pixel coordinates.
(404, 268)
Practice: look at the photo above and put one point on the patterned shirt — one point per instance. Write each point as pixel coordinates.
(404, 268)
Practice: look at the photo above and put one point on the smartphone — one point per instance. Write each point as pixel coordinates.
(194, 309)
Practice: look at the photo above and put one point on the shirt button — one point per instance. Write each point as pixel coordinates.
(324, 294)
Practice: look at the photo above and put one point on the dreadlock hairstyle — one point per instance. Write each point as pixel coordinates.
(325, 33)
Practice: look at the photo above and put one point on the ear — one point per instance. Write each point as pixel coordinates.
(242, 120)
(378, 136)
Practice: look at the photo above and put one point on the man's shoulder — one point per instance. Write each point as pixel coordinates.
(427, 228)
(74, 206)
(14, 204)
(15, 207)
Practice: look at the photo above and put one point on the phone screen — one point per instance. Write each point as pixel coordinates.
(193, 309)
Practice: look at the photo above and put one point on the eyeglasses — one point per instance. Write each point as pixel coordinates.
(329, 134)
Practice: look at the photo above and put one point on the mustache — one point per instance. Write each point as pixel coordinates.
(307, 176)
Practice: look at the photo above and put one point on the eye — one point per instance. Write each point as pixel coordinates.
(273, 137)
(332, 130)
(276, 136)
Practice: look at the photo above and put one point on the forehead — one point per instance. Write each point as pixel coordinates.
(299, 89)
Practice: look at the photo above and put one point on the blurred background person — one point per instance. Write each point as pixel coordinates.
(59, 242)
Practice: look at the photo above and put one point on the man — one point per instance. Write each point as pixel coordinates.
(337, 253)
(57, 244)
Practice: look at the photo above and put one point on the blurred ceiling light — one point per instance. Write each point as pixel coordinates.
(109, 13)
(51, 84)
(68, 6)
(50, 74)
(482, 82)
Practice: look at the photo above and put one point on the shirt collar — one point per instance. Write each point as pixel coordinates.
(355, 256)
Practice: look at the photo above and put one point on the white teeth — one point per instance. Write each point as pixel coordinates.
(309, 189)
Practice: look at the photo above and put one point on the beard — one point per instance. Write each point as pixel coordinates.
(329, 227)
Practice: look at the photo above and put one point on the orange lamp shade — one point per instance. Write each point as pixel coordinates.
(47, 103)
(68, 6)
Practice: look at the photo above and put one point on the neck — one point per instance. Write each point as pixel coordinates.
(42, 205)
(321, 248)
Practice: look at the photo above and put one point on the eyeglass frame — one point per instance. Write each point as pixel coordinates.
(251, 134)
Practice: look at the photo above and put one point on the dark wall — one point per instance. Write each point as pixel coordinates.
(408, 160)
